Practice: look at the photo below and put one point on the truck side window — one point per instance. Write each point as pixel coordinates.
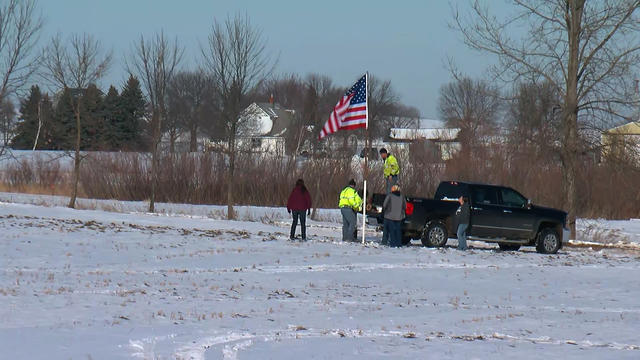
(512, 198)
(485, 195)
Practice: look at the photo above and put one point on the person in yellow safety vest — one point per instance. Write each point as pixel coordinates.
(350, 203)
(391, 169)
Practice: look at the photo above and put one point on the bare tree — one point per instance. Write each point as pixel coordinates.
(176, 117)
(531, 118)
(236, 57)
(319, 99)
(19, 30)
(383, 100)
(155, 62)
(75, 64)
(400, 116)
(286, 89)
(588, 50)
(471, 106)
(188, 93)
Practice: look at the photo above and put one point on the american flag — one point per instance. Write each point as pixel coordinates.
(350, 112)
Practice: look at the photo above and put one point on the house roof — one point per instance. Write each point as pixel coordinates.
(423, 134)
(631, 128)
(281, 118)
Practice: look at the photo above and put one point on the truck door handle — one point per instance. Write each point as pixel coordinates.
(507, 211)
(476, 208)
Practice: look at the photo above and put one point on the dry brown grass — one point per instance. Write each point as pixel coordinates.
(608, 189)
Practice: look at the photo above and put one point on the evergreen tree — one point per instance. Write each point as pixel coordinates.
(64, 129)
(93, 127)
(28, 125)
(113, 121)
(45, 137)
(35, 110)
(132, 104)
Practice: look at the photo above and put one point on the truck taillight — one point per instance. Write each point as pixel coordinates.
(409, 209)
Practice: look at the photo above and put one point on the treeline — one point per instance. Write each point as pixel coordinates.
(121, 121)
(111, 121)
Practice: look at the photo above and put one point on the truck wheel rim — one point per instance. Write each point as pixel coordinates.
(550, 242)
(436, 235)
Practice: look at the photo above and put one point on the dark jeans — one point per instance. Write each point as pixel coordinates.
(302, 215)
(462, 236)
(385, 232)
(393, 229)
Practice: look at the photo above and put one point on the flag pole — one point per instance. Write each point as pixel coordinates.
(366, 156)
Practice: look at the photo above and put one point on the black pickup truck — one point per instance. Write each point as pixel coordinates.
(499, 214)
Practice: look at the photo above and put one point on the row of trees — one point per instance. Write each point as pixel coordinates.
(118, 122)
(586, 53)
(78, 116)
(113, 122)
(576, 63)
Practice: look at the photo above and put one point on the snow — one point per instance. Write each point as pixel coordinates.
(113, 282)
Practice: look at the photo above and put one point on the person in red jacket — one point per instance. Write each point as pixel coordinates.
(299, 204)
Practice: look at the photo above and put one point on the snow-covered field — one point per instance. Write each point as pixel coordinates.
(112, 282)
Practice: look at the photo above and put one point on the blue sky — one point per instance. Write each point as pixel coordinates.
(406, 41)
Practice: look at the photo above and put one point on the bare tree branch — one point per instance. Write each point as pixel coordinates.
(20, 27)
(236, 57)
(155, 61)
(77, 64)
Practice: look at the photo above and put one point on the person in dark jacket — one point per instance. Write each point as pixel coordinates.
(393, 210)
(299, 205)
(462, 218)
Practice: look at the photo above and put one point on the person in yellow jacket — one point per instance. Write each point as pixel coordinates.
(391, 169)
(350, 203)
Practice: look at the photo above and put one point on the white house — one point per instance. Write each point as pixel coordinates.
(263, 128)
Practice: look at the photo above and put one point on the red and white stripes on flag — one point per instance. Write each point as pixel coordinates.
(350, 112)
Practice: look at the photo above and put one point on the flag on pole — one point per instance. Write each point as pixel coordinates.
(350, 112)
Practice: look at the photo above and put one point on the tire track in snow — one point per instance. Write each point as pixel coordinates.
(231, 342)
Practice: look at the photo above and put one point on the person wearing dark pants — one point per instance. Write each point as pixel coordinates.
(299, 205)
(302, 216)
(462, 218)
(393, 210)
(350, 202)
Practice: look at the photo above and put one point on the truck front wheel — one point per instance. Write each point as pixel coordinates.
(435, 235)
(548, 241)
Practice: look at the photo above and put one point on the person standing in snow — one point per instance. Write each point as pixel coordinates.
(299, 205)
(462, 218)
(350, 203)
(391, 169)
(393, 210)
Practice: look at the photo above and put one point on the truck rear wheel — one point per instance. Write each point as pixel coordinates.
(435, 235)
(548, 241)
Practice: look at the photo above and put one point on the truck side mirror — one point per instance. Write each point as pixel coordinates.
(528, 203)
